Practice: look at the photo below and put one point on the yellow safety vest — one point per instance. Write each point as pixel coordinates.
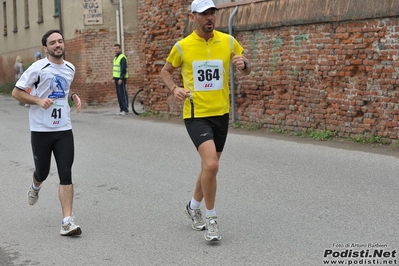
(117, 67)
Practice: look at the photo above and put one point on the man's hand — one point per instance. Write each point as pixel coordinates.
(77, 102)
(238, 61)
(180, 93)
(45, 103)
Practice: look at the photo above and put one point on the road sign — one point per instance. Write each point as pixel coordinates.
(92, 12)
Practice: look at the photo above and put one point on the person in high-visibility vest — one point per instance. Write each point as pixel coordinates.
(120, 74)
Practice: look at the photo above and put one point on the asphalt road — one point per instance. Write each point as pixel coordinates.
(280, 201)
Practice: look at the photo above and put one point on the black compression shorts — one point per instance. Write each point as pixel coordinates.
(208, 128)
(62, 145)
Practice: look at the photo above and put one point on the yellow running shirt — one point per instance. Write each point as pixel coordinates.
(205, 69)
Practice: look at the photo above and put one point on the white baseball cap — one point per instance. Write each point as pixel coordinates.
(200, 6)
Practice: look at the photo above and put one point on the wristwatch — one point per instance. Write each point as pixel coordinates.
(245, 65)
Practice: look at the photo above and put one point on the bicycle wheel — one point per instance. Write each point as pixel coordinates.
(138, 102)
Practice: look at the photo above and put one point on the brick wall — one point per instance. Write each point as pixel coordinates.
(161, 25)
(336, 70)
(337, 76)
(92, 52)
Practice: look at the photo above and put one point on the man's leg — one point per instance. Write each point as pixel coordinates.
(208, 177)
(118, 89)
(36, 183)
(68, 226)
(64, 156)
(41, 149)
(206, 184)
(64, 153)
(125, 97)
(209, 170)
(198, 195)
(66, 198)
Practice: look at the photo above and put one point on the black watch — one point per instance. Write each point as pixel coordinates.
(245, 65)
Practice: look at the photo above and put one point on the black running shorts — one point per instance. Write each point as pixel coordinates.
(62, 145)
(208, 128)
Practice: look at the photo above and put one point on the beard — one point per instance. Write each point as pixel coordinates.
(56, 55)
(207, 29)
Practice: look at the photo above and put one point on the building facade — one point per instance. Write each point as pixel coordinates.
(90, 30)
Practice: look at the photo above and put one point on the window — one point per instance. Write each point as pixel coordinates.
(26, 14)
(5, 18)
(40, 11)
(56, 8)
(14, 12)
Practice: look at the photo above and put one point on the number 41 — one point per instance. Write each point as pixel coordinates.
(56, 114)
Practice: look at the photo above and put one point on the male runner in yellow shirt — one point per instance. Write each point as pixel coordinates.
(204, 58)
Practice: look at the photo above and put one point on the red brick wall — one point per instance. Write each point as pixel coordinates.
(337, 75)
(92, 53)
(161, 25)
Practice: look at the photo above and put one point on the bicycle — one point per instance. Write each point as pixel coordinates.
(138, 102)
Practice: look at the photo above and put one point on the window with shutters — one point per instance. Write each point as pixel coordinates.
(40, 11)
(26, 9)
(5, 18)
(14, 16)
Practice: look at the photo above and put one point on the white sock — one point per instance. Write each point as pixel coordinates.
(66, 219)
(194, 204)
(36, 188)
(210, 213)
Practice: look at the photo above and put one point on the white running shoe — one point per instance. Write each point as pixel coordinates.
(33, 196)
(70, 228)
(195, 215)
(212, 230)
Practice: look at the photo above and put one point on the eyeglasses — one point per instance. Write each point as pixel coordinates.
(207, 13)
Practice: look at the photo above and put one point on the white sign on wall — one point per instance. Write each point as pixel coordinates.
(92, 12)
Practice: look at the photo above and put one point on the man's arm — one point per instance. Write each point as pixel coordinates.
(76, 100)
(123, 68)
(247, 67)
(25, 97)
(167, 78)
(241, 63)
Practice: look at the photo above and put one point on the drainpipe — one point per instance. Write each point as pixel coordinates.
(60, 21)
(122, 26)
(60, 16)
(118, 35)
(233, 111)
(118, 22)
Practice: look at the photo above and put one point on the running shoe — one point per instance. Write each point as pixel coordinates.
(33, 196)
(195, 215)
(212, 229)
(70, 228)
